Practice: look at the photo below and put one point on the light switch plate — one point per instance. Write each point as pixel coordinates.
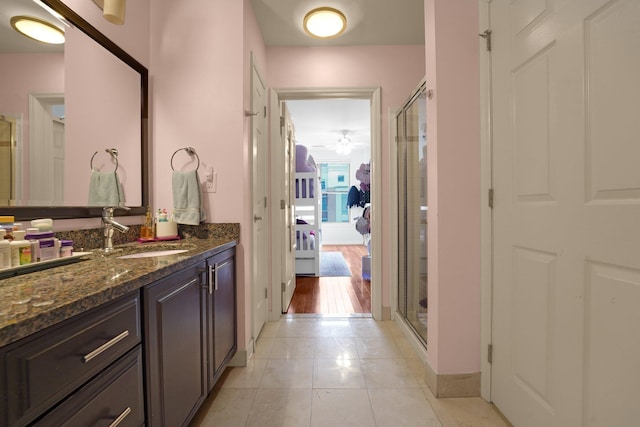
(212, 184)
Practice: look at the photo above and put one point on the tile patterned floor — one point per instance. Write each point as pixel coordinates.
(315, 372)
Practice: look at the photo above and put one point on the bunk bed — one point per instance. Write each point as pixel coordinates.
(308, 219)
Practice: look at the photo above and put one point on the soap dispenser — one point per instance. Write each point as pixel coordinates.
(146, 230)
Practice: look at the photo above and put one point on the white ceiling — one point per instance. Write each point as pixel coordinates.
(319, 124)
(369, 22)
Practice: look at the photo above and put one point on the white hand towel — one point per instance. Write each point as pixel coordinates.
(105, 189)
(187, 204)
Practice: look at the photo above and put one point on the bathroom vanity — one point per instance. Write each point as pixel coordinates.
(127, 342)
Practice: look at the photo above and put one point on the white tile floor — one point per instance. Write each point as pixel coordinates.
(313, 372)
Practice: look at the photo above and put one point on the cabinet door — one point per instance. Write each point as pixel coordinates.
(221, 313)
(175, 350)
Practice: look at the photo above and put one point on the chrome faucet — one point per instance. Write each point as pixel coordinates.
(109, 224)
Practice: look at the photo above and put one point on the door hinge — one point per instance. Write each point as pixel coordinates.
(281, 121)
(283, 204)
(490, 353)
(265, 111)
(487, 37)
(283, 286)
(266, 293)
(491, 198)
(265, 202)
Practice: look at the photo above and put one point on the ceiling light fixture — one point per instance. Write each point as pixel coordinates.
(344, 144)
(37, 29)
(324, 22)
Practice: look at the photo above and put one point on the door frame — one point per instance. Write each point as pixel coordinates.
(486, 214)
(377, 210)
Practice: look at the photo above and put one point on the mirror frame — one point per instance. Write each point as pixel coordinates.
(22, 213)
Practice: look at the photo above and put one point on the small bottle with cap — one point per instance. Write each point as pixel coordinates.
(66, 248)
(20, 249)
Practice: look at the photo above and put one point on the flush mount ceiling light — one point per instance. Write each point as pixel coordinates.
(37, 29)
(324, 22)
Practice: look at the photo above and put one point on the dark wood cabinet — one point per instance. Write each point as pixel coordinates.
(114, 398)
(221, 313)
(40, 371)
(175, 350)
(147, 359)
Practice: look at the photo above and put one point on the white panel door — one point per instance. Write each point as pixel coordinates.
(260, 178)
(566, 165)
(288, 214)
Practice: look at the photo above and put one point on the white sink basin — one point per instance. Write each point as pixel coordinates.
(151, 254)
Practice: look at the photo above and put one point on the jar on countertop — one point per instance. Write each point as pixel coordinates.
(66, 248)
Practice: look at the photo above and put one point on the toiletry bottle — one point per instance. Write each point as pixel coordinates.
(66, 248)
(20, 249)
(5, 254)
(146, 231)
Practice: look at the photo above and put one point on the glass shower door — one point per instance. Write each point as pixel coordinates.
(412, 213)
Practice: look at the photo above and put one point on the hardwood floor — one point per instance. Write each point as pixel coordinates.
(334, 295)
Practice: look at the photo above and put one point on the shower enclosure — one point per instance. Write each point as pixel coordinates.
(412, 212)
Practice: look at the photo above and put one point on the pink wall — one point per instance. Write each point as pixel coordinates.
(397, 70)
(199, 78)
(453, 131)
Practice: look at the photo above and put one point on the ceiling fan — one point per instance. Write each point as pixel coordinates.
(344, 146)
(346, 143)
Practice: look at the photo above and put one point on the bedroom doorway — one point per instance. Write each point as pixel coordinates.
(335, 141)
(331, 206)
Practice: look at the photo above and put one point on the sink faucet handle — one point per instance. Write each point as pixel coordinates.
(110, 209)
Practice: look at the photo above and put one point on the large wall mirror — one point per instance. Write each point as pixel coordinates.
(63, 109)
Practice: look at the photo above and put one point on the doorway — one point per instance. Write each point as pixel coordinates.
(335, 195)
(333, 145)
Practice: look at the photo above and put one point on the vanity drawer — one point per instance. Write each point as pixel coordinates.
(113, 398)
(44, 368)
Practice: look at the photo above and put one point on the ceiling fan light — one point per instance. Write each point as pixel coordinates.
(37, 29)
(324, 22)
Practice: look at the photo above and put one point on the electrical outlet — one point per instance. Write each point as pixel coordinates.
(212, 184)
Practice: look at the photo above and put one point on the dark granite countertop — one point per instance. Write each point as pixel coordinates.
(99, 278)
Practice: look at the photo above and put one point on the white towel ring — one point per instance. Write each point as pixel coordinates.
(114, 154)
(191, 151)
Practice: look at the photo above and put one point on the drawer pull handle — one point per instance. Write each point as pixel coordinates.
(105, 346)
(121, 417)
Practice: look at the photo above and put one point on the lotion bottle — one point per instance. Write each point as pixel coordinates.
(20, 249)
(5, 254)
